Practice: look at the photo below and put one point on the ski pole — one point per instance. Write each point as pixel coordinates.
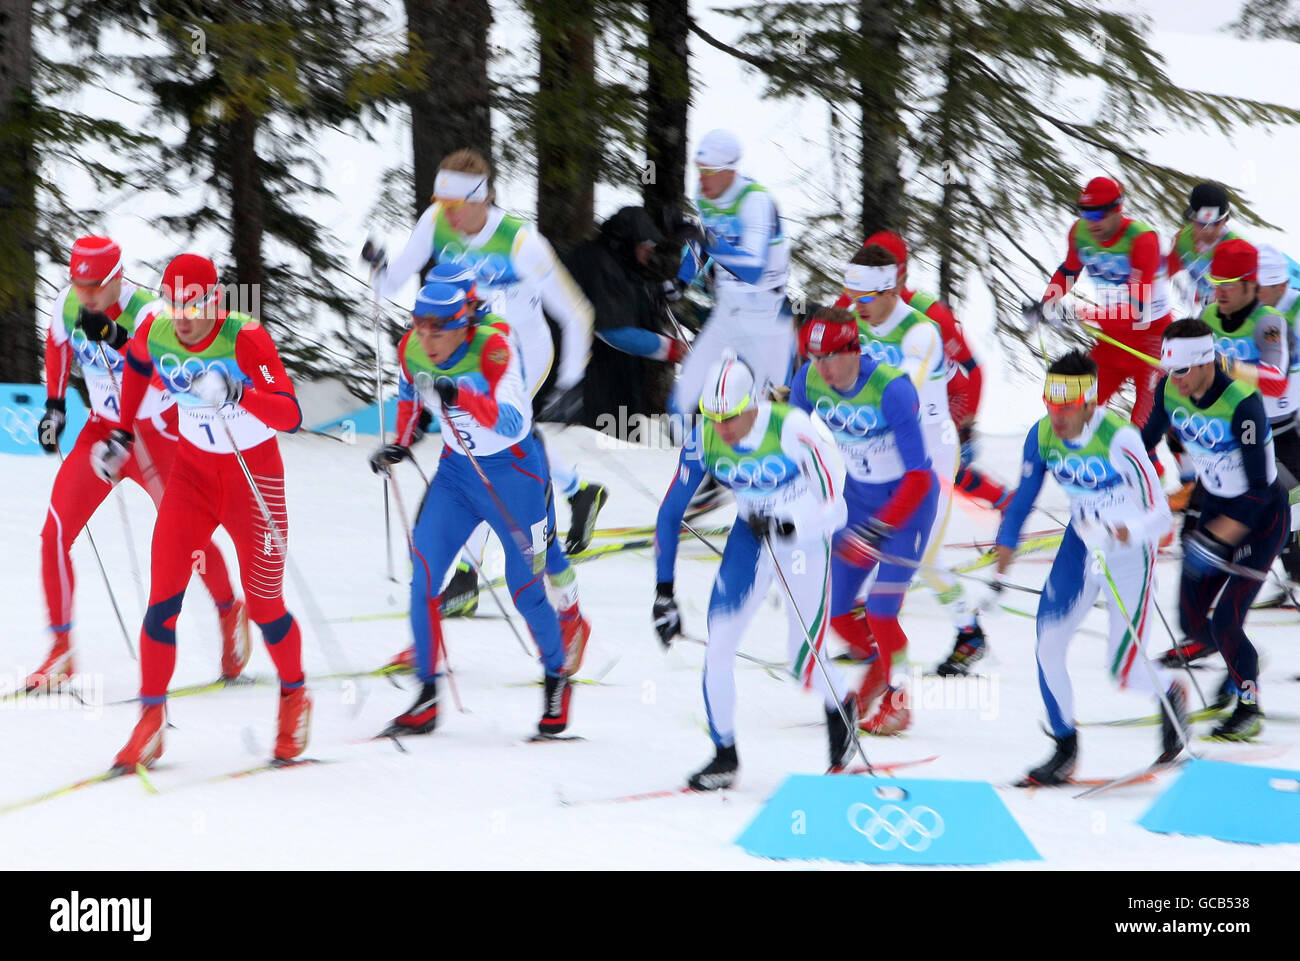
(151, 477)
(329, 644)
(812, 646)
(104, 573)
(523, 543)
(437, 630)
(637, 483)
(1151, 671)
(373, 257)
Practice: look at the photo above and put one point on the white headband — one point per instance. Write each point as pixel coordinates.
(1209, 215)
(858, 277)
(457, 185)
(1180, 352)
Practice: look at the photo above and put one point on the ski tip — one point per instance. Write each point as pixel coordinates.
(540, 738)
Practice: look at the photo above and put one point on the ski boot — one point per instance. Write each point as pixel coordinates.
(718, 773)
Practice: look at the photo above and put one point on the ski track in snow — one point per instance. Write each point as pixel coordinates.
(473, 795)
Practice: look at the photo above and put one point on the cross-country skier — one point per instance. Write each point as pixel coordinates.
(899, 336)
(411, 406)
(965, 378)
(1116, 506)
(226, 375)
(1257, 340)
(741, 234)
(518, 275)
(1205, 227)
(452, 358)
(1244, 514)
(1122, 258)
(891, 493)
(91, 322)
(787, 477)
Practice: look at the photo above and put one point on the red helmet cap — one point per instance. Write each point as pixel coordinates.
(1234, 259)
(829, 335)
(189, 280)
(94, 260)
(892, 242)
(1101, 192)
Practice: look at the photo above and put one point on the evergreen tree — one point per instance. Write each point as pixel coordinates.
(667, 102)
(251, 84)
(450, 108)
(978, 86)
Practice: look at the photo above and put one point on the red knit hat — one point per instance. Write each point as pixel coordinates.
(829, 336)
(189, 280)
(892, 242)
(1101, 192)
(1234, 259)
(94, 260)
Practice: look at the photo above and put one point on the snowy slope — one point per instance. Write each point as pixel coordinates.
(472, 795)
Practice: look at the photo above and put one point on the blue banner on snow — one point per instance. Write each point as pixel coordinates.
(887, 821)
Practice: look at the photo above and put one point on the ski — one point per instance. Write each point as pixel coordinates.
(1085, 782)
(112, 774)
(887, 768)
(541, 738)
(272, 765)
(1204, 714)
(1148, 772)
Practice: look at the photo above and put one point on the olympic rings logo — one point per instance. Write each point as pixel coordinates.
(881, 353)
(1111, 268)
(1077, 471)
(180, 375)
(891, 826)
(20, 423)
(1197, 428)
(1236, 347)
(765, 473)
(847, 418)
(490, 268)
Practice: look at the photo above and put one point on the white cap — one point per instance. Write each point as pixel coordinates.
(719, 148)
(728, 388)
(1273, 268)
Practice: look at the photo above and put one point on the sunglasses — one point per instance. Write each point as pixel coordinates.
(720, 416)
(450, 204)
(710, 171)
(867, 296)
(1095, 214)
(1221, 281)
(1065, 407)
(1178, 371)
(438, 324)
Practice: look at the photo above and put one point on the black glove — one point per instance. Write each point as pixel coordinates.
(376, 257)
(686, 228)
(100, 329)
(1203, 554)
(422, 424)
(562, 406)
(668, 622)
(765, 525)
(447, 390)
(388, 455)
(51, 426)
(110, 455)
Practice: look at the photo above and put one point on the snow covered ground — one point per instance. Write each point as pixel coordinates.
(473, 795)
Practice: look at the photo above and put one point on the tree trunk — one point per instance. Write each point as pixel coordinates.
(247, 211)
(668, 98)
(565, 125)
(451, 112)
(943, 232)
(883, 206)
(20, 360)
